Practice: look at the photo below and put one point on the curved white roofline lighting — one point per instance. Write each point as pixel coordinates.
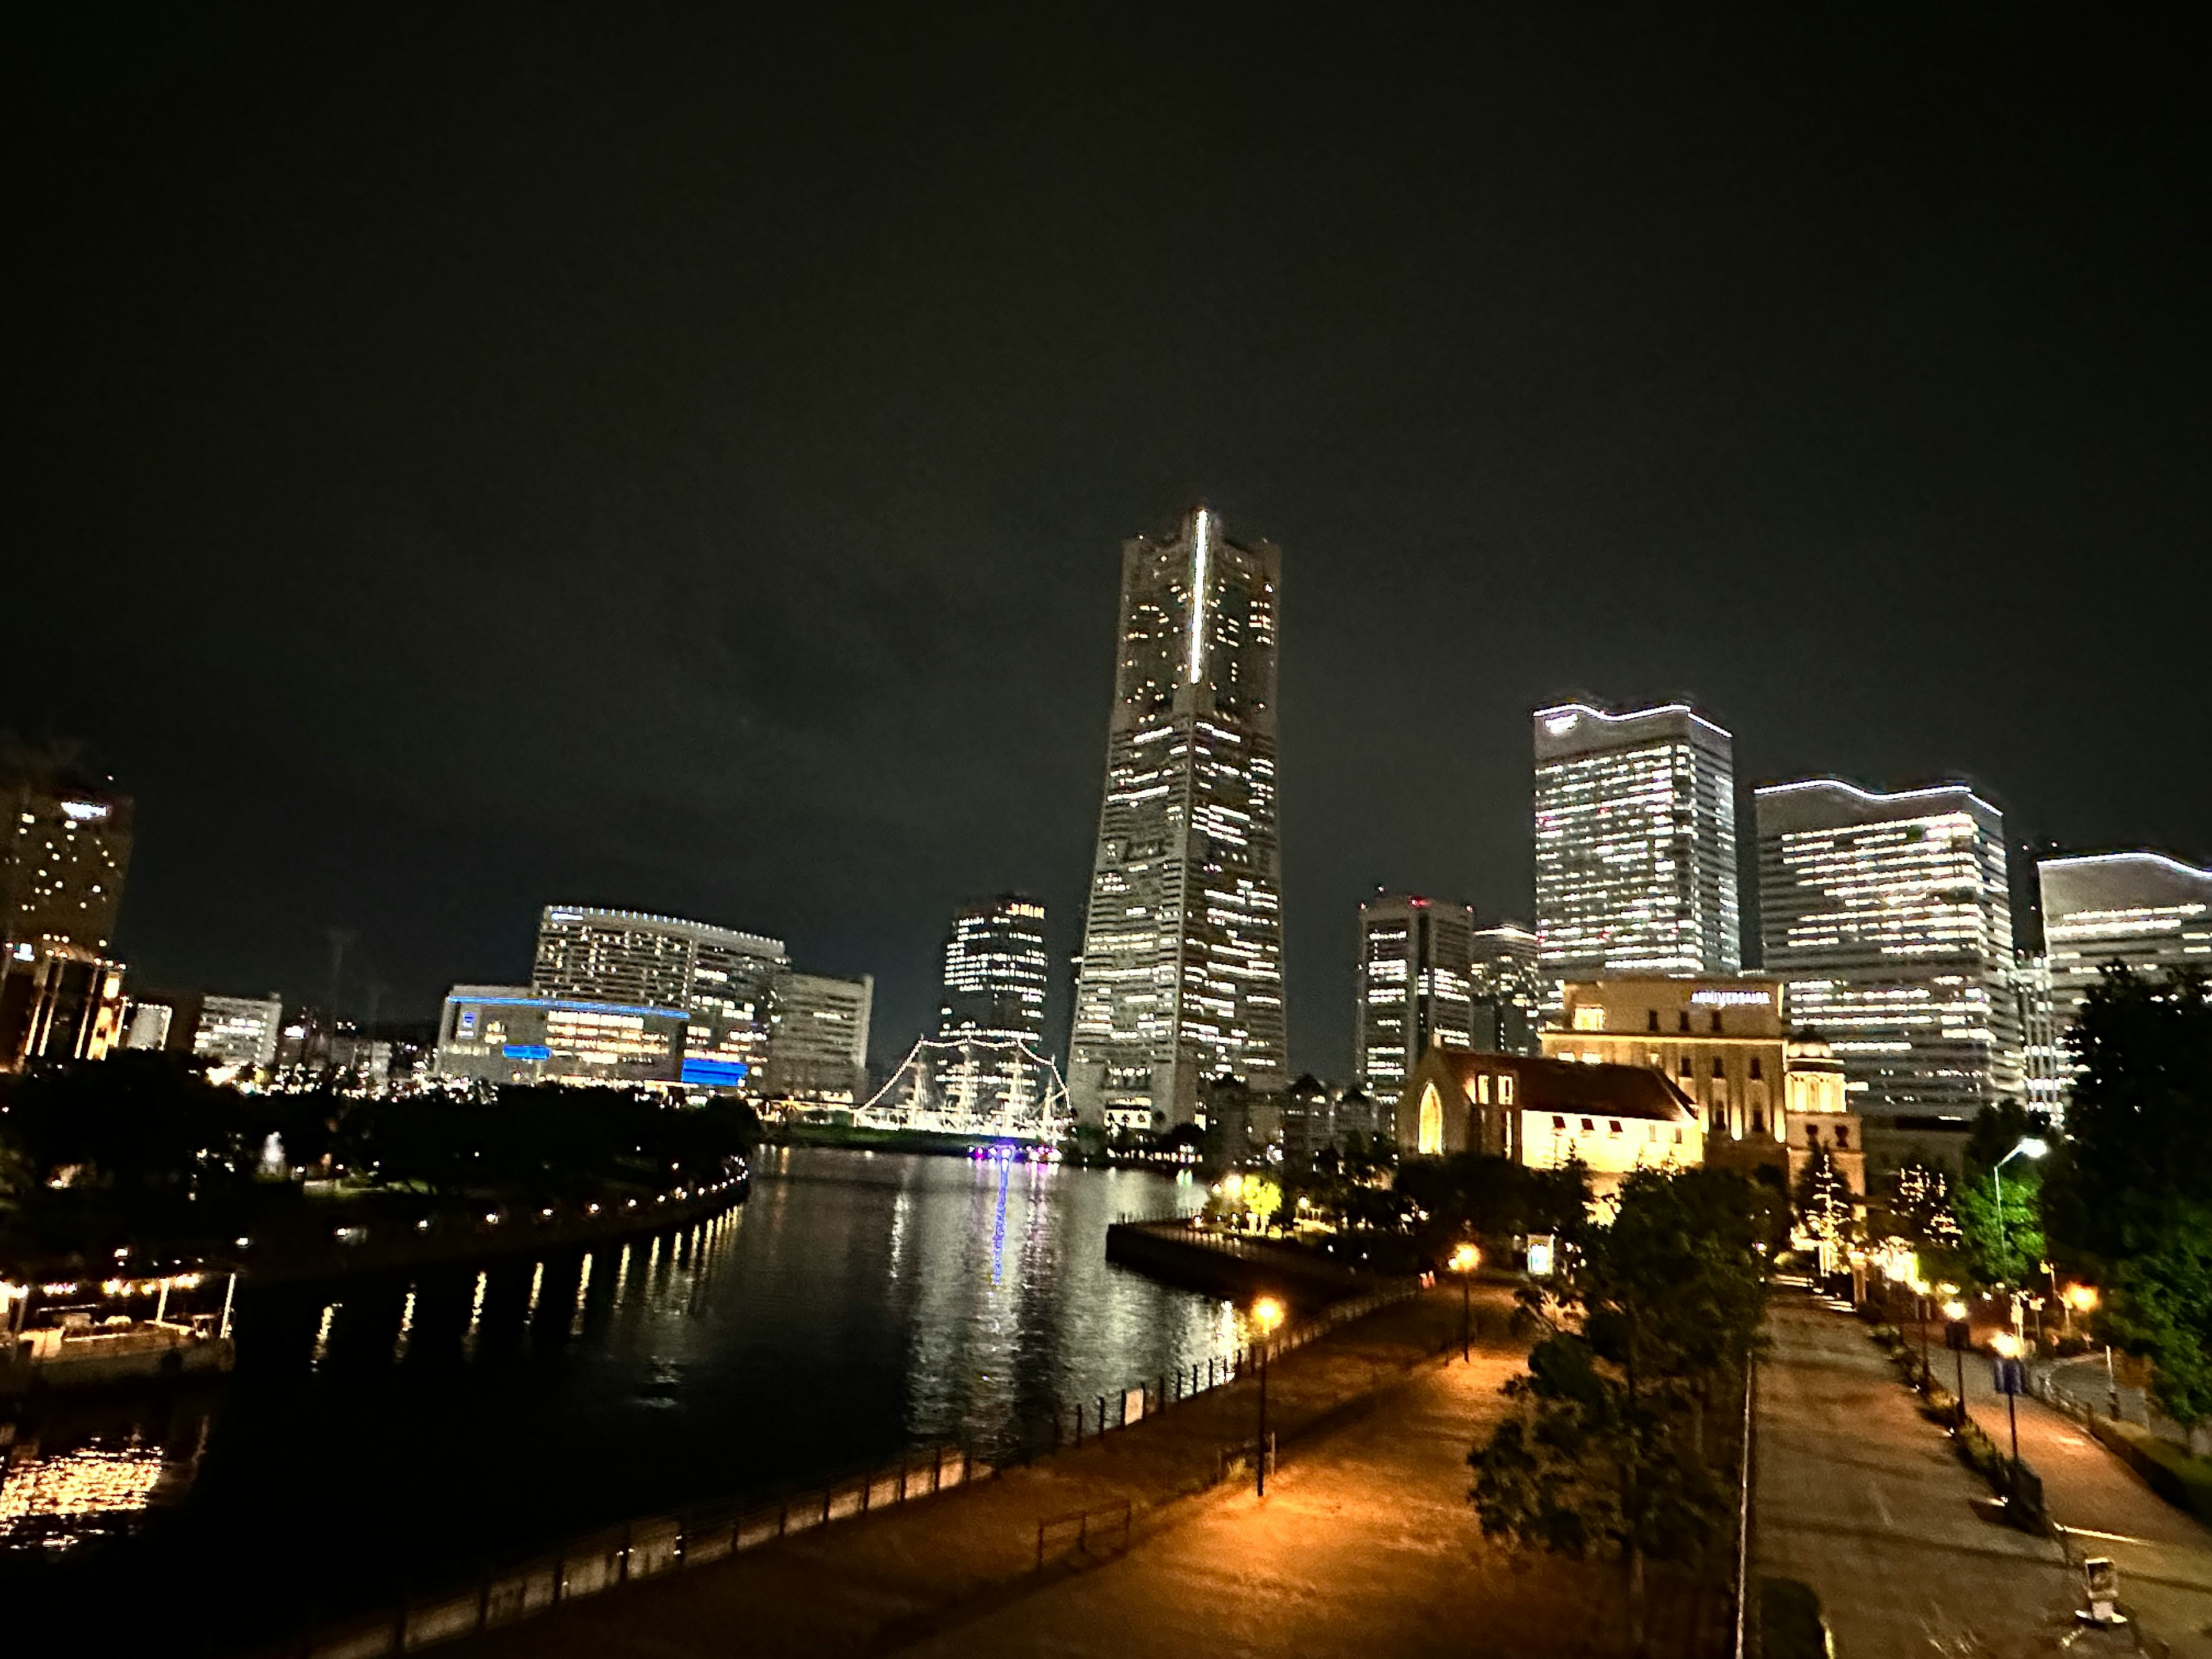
(2136, 857)
(1569, 710)
(1879, 797)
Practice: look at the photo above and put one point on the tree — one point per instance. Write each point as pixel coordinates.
(1824, 1208)
(1607, 1455)
(2128, 1200)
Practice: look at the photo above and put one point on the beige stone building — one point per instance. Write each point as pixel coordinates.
(1762, 1095)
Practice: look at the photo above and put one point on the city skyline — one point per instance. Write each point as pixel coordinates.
(541, 536)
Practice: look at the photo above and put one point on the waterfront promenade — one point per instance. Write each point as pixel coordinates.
(1366, 1544)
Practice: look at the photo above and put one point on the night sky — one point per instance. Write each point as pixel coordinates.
(677, 459)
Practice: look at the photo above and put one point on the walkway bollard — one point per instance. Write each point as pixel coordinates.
(1102, 1416)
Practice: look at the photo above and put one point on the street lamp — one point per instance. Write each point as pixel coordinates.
(2031, 1146)
(1267, 1313)
(2008, 1348)
(1957, 1336)
(1464, 1261)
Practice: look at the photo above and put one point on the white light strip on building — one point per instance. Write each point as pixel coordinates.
(1568, 710)
(1878, 797)
(2173, 864)
(1198, 599)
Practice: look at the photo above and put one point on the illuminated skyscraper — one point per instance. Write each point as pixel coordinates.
(722, 979)
(1181, 972)
(1890, 918)
(1635, 844)
(1509, 988)
(2148, 911)
(995, 971)
(65, 847)
(1415, 958)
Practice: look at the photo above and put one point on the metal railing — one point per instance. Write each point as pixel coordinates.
(658, 1546)
(652, 1547)
(1074, 1532)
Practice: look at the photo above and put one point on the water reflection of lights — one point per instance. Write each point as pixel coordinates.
(52, 1502)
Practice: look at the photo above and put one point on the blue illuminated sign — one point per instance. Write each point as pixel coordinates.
(527, 1051)
(715, 1073)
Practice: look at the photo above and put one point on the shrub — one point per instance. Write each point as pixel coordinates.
(1789, 1622)
(2178, 1476)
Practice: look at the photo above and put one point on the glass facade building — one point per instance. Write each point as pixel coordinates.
(1182, 972)
(723, 979)
(1636, 854)
(1890, 917)
(1416, 959)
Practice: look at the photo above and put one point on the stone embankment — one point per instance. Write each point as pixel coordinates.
(1237, 1268)
(347, 1238)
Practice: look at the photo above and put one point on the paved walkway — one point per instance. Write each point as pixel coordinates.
(1366, 1546)
(2164, 1555)
(1863, 1500)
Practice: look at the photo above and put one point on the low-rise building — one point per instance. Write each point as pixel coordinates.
(1544, 1112)
(238, 1030)
(505, 1034)
(1764, 1094)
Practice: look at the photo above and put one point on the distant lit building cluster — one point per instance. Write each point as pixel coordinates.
(1620, 1026)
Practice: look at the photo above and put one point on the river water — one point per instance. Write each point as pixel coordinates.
(385, 1436)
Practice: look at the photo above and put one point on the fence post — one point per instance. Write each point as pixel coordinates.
(1102, 1417)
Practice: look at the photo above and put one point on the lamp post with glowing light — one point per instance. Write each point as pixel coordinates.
(2007, 1347)
(2031, 1146)
(1464, 1261)
(1958, 1336)
(1267, 1313)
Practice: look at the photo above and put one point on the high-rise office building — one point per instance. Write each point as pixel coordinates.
(2043, 1069)
(65, 849)
(1181, 972)
(2150, 912)
(817, 1051)
(723, 980)
(1635, 844)
(1507, 981)
(1890, 918)
(1416, 955)
(996, 969)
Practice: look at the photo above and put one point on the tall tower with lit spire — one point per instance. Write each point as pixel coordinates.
(1181, 977)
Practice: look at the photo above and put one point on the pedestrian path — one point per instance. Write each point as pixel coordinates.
(1366, 1546)
(2164, 1555)
(1860, 1497)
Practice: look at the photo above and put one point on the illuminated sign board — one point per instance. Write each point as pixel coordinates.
(83, 811)
(1732, 999)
